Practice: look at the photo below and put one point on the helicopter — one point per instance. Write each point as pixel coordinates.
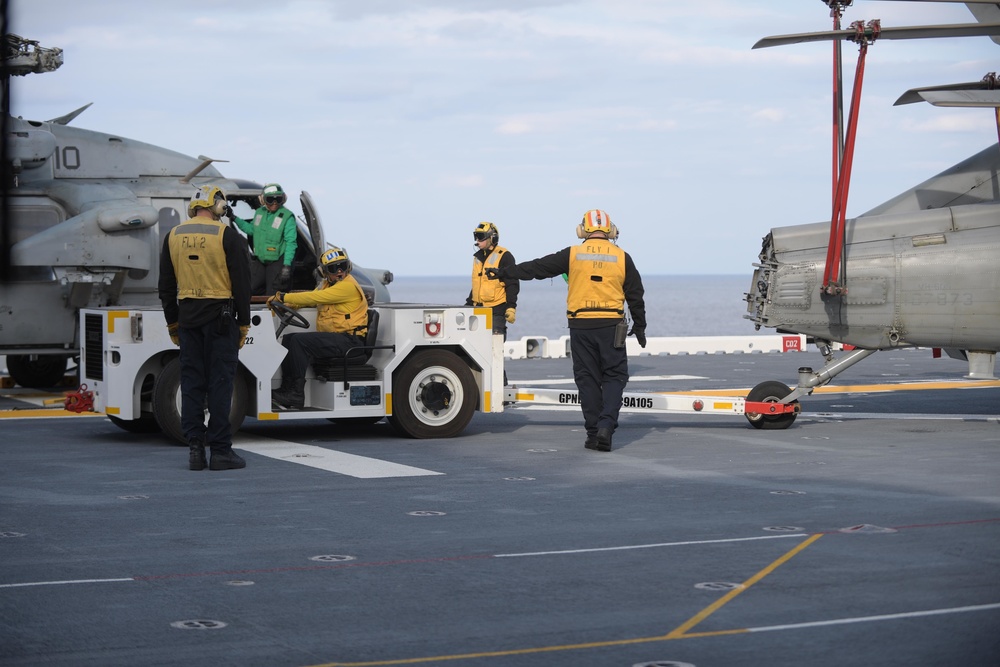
(919, 270)
(84, 218)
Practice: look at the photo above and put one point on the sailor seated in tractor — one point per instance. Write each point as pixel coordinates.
(342, 322)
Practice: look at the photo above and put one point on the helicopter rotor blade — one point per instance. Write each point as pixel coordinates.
(964, 2)
(906, 32)
(956, 95)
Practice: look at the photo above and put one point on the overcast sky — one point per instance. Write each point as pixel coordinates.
(410, 121)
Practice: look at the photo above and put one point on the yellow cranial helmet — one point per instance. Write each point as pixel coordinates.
(334, 260)
(596, 220)
(487, 230)
(272, 193)
(208, 196)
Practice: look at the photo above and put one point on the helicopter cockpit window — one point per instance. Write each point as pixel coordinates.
(168, 219)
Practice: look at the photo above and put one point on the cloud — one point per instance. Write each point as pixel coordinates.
(770, 115)
(462, 182)
(618, 119)
(978, 121)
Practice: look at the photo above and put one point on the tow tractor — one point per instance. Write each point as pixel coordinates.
(426, 368)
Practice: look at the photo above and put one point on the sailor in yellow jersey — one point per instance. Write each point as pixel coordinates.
(204, 287)
(500, 295)
(602, 279)
(341, 323)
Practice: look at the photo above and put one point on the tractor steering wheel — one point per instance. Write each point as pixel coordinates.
(288, 316)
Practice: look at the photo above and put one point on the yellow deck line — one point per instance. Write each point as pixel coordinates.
(45, 412)
(678, 633)
(682, 629)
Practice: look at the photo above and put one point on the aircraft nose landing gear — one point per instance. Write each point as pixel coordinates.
(769, 412)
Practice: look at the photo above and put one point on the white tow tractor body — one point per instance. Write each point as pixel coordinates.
(427, 368)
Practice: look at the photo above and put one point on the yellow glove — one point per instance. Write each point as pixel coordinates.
(174, 336)
(509, 315)
(278, 296)
(243, 334)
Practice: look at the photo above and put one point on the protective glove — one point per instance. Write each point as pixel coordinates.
(509, 315)
(229, 212)
(640, 335)
(278, 296)
(493, 274)
(174, 336)
(285, 277)
(244, 328)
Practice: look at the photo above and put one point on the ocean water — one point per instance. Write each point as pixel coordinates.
(710, 305)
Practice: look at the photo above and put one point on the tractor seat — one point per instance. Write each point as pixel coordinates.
(354, 365)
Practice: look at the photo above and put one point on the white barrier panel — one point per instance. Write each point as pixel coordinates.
(540, 347)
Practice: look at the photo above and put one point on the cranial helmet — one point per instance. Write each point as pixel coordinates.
(334, 259)
(273, 192)
(208, 196)
(596, 220)
(487, 230)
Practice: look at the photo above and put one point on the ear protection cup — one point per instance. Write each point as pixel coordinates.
(219, 207)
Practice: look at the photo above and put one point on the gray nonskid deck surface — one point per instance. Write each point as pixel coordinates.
(867, 533)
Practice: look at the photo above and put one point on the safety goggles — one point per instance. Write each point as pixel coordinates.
(271, 199)
(481, 236)
(337, 267)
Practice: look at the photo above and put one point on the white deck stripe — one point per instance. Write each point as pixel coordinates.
(650, 546)
(70, 581)
(328, 459)
(883, 617)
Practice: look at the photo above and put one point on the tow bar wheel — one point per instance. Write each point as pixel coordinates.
(434, 395)
(771, 391)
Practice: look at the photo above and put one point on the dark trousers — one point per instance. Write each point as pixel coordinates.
(601, 373)
(304, 347)
(264, 277)
(499, 321)
(209, 356)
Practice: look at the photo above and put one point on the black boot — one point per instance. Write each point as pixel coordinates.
(591, 441)
(293, 398)
(226, 459)
(196, 455)
(604, 439)
(286, 386)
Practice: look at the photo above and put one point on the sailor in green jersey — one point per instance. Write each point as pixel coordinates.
(273, 239)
